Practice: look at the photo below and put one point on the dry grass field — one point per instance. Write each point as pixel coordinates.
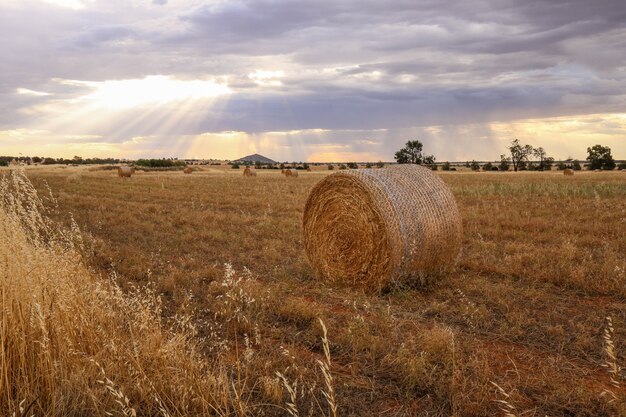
(520, 327)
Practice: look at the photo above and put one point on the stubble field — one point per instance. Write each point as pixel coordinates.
(522, 319)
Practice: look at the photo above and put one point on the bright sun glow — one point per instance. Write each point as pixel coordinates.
(156, 89)
(267, 78)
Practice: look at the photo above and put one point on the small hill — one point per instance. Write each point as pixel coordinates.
(254, 159)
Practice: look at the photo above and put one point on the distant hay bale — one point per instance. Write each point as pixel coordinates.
(308, 169)
(124, 172)
(373, 227)
(249, 172)
(568, 171)
(188, 170)
(282, 171)
(291, 173)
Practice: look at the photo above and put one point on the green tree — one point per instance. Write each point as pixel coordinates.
(380, 164)
(519, 154)
(488, 166)
(545, 161)
(353, 165)
(474, 165)
(576, 165)
(505, 163)
(412, 154)
(446, 166)
(600, 157)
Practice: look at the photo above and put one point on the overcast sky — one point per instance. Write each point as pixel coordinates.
(317, 80)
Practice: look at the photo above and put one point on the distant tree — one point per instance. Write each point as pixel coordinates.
(37, 159)
(368, 165)
(475, 166)
(380, 164)
(576, 165)
(305, 166)
(331, 167)
(353, 165)
(3, 163)
(445, 166)
(412, 154)
(342, 166)
(468, 164)
(488, 166)
(235, 166)
(621, 166)
(519, 154)
(545, 161)
(600, 157)
(561, 166)
(49, 161)
(505, 163)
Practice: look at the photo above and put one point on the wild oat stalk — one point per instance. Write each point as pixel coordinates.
(616, 393)
(329, 394)
(292, 407)
(504, 405)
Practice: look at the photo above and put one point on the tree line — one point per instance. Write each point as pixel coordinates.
(520, 157)
(77, 160)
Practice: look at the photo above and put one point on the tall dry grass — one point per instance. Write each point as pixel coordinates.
(73, 344)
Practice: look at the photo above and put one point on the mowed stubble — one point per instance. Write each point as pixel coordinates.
(542, 265)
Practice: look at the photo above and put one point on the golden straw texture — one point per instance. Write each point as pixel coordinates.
(249, 172)
(373, 227)
(125, 171)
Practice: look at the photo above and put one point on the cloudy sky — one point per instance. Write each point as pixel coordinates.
(318, 80)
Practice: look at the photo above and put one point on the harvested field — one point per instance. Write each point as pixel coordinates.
(543, 263)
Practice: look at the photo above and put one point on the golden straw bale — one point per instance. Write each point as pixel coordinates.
(249, 172)
(124, 172)
(291, 173)
(188, 170)
(568, 171)
(282, 171)
(373, 227)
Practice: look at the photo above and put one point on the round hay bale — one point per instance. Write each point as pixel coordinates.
(568, 171)
(282, 171)
(124, 172)
(188, 170)
(373, 227)
(249, 172)
(291, 173)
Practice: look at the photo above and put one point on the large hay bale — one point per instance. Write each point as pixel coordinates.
(249, 172)
(188, 170)
(124, 172)
(291, 173)
(373, 227)
(568, 171)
